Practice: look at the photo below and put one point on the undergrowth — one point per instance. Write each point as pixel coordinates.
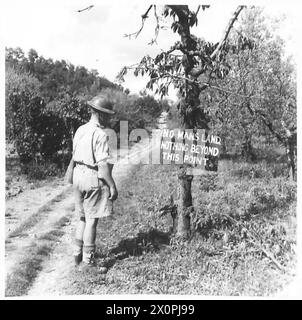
(221, 257)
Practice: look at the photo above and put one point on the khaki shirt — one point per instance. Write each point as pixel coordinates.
(90, 143)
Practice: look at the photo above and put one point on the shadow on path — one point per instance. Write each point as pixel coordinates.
(144, 242)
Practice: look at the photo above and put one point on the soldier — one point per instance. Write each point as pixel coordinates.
(94, 187)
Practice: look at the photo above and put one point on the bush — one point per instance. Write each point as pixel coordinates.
(265, 198)
(260, 170)
(45, 103)
(138, 111)
(60, 120)
(23, 109)
(251, 171)
(209, 182)
(41, 171)
(241, 201)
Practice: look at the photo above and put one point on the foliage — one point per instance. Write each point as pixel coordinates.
(57, 77)
(256, 196)
(189, 65)
(258, 98)
(139, 111)
(63, 88)
(41, 171)
(242, 87)
(62, 118)
(46, 103)
(23, 109)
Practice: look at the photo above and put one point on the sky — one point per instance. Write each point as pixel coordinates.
(95, 38)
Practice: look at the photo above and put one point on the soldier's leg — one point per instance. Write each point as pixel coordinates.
(78, 243)
(94, 204)
(89, 240)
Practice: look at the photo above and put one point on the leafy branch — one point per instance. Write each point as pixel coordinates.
(200, 55)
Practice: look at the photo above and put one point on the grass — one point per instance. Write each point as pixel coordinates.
(18, 282)
(144, 258)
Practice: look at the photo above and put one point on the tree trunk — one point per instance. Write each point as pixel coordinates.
(290, 143)
(291, 151)
(191, 114)
(184, 207)
(247, 150)
(223, 147)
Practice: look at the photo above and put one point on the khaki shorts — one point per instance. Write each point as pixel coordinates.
(91, 194)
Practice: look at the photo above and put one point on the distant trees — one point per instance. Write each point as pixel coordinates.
(46, 103)
(139, 111)
(258, 98)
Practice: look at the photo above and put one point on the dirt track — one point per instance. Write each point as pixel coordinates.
(38, 216)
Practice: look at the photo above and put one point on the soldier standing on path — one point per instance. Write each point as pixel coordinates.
(94, 187)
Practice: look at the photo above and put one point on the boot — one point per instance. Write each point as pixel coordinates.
(89, 263)
(88, 258)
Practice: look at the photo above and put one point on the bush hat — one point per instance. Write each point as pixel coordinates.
(101, 103)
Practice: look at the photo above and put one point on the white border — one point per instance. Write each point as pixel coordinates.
(294, 291)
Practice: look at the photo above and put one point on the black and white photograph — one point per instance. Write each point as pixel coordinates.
(150, 150)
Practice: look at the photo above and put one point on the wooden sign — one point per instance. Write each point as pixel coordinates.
(198, 149)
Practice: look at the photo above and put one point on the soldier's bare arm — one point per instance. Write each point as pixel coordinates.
(104, 173)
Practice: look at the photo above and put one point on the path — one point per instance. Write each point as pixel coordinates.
(43, 219)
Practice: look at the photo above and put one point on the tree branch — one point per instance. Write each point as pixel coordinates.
(264, 119)
(156, 28)
(227, 31)
(257, 242)
(144, 17)
(197, 72)
(198, 8)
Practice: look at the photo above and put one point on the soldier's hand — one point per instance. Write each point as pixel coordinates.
(113, 194)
